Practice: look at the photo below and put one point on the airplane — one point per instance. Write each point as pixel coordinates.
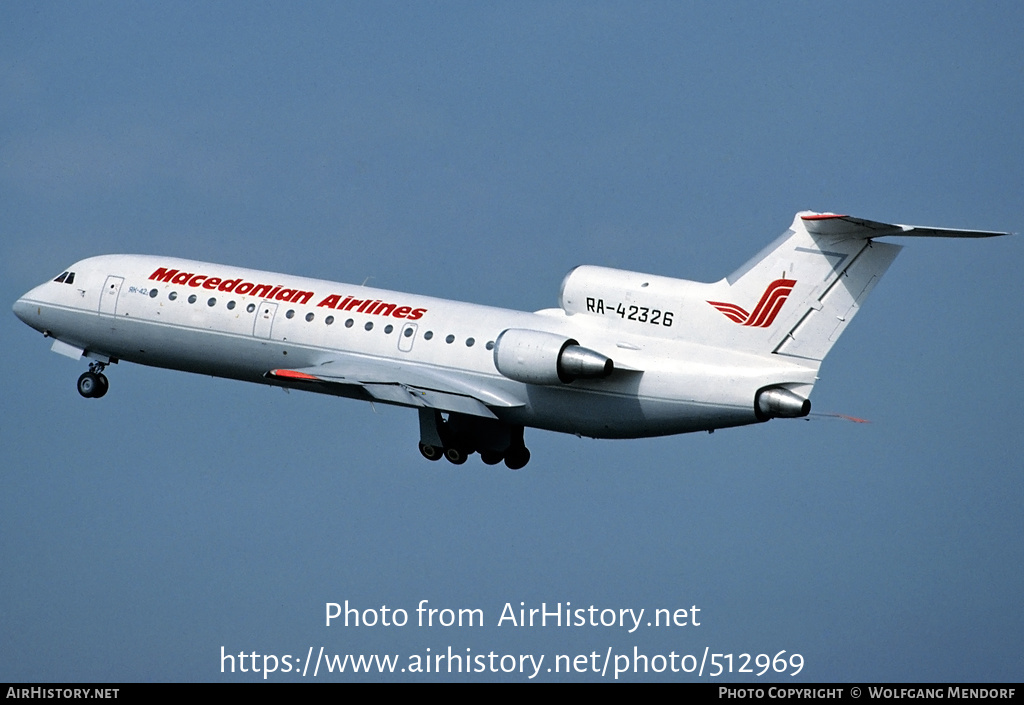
(624, 355)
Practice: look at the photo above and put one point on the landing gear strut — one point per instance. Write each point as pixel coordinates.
(93, 384)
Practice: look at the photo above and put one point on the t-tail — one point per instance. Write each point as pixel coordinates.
(802, 291)
(792, 300)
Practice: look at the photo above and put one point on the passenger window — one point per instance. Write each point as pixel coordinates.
(192, 299)
(369, 325)
(231, 305)
(348, 323)
(250, 308)
(173, 295)
(428, 335)
(329, 320)
(309, 317)
(290, 314)
(153, 293)
(450, 339)
(211, 303)
(388, 328)
(470, 342)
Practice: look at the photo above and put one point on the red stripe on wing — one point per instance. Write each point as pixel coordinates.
(292, 374)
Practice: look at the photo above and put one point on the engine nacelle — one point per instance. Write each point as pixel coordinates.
(780, 403)
(536, 357)
(616, 293)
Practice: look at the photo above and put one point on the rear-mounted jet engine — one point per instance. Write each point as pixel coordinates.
(536, 357)
(780, 403)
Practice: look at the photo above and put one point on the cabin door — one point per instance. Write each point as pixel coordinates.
(264, 319)
(108, 298)
(406, 337)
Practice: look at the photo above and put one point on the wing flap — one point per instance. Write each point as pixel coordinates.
(412, 396)
(406, 385)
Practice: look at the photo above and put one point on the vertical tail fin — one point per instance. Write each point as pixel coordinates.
(792, 299)
(809, 284)
(805, 287)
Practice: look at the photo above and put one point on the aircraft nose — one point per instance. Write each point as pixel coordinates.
(25, 308)
(21, 308)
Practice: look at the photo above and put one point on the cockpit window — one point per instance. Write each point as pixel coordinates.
(70, 279)
(61, 278)
(66, 278)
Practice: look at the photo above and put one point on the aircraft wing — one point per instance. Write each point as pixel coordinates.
(406, 385)
(858, 228)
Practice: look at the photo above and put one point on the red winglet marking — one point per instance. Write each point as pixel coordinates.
(822, 216)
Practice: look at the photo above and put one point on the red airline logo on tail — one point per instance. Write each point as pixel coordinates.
(767, 308)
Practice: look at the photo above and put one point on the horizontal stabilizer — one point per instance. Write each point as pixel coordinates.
(832, 225)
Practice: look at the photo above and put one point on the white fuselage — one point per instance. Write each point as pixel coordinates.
(242, 324)
(624, 355)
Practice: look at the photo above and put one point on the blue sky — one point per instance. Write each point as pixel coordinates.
(479, 152)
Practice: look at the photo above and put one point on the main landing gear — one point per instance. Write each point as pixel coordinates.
(515, 457)
(459, 436)
(93, 384)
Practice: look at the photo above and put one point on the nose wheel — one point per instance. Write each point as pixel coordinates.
(93, 384)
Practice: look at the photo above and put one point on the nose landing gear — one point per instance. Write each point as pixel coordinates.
(93, 384)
